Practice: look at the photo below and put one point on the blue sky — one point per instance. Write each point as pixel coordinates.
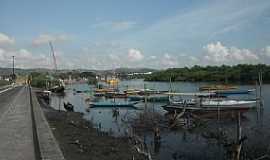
(102, 34)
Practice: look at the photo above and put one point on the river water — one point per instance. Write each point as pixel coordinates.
(182, 142)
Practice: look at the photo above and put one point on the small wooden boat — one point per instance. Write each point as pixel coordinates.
(105, 90)
(151, 98)
(112, 104)
(99, 94)
(115, 95)
(150, 92)
(217, 87)
(132, 91)
(234, 92)
(68, 106)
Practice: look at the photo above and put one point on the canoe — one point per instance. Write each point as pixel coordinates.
(233, 92)
(112, 104)
(115, 95)
(217, 87)
(151, 98)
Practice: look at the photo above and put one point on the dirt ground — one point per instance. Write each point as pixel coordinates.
(78, 139)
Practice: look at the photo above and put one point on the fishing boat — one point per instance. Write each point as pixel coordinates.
(112, 104)
(212, 106)
(115, 95)
(217, 87)
(150, 92)
(99, 94)
(132, 91)
(151, 98)
(104, 90)
(208, 104)
(234, 92)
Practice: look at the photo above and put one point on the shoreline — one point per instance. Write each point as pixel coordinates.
(79, 140)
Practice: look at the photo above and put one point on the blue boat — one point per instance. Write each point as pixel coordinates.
(113, 104)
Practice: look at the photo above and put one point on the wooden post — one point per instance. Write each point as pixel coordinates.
(145, 98)
(59, 101)
(238, 144)
(239, 129)
(260, 81)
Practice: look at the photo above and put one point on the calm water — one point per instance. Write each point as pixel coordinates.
(180, 143)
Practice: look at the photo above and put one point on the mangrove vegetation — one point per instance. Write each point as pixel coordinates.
(243, 73)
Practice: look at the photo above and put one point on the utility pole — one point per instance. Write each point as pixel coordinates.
(13, 69)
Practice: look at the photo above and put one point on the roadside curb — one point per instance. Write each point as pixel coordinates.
(49, 148)
(5, 88)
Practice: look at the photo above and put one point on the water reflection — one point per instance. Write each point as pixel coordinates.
(192, 138)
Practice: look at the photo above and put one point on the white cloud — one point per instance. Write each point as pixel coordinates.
(216, 53)
(168, 61)
(153, 57)
(167, 56)
(266, 51)
(23, 53)
(23, 59)
(5, 39)
(135, 55)
(46, 38)
(2, 51)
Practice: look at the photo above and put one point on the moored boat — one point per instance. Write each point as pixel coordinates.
(217, 87)
(233, 92)
(151, 98)
(200, 103)
(115, 95)
(112, 104)
(211, 105)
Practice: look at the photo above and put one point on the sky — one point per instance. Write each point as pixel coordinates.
(108, 34)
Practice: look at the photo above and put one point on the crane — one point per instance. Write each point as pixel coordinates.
(53, 55)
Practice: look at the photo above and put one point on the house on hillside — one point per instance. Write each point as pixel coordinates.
(6, 77)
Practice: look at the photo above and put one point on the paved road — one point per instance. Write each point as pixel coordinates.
(6, 98)
(16, 135)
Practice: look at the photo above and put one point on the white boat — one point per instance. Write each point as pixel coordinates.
(228, 104)
(208, 104)
(212, 105)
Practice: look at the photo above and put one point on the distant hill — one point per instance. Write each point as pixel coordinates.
(19, 71)
(129, 70)
(6, 71)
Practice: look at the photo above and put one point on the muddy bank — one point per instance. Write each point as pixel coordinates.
(79, 140)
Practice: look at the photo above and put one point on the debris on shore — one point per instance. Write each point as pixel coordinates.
(79, 140)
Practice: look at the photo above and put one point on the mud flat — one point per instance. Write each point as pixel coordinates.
(79, 140)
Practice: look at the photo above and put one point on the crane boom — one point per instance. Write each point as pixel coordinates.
(53, 55)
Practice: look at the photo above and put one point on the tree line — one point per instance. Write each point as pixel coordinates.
(243, 73)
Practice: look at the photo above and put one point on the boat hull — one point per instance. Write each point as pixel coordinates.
(149, 98)
(112, 105)
(210, 108)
